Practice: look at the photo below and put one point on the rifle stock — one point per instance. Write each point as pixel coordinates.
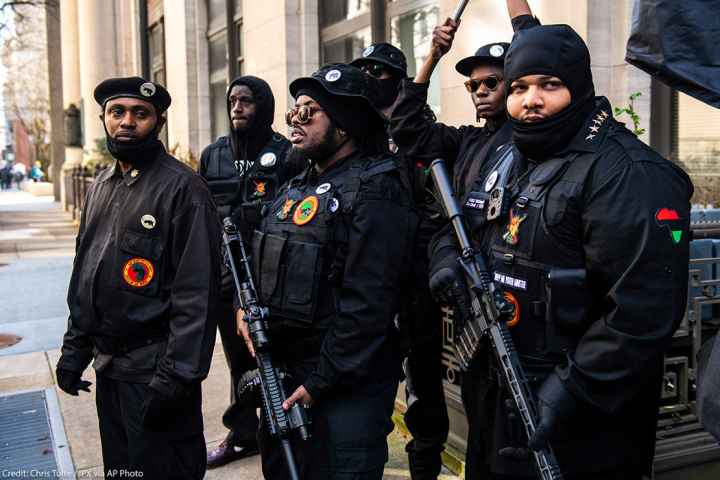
(489, 309)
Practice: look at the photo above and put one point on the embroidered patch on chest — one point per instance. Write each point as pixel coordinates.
(305, 211)
(138, 272)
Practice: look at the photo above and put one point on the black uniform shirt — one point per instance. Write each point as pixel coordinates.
(147, 263)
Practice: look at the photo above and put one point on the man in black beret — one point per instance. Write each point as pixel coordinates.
(332, 253)
(591, 244)
(143, 292)
(420, 319)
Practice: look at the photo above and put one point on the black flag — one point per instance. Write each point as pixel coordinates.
(678, 42)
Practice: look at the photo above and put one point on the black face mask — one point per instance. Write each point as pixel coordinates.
(539, 140)
(388, 92)
(134, 151)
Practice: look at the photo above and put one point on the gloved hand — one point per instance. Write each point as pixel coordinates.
(164, 401)
(447, 282)
(555, 405)
(71, 382)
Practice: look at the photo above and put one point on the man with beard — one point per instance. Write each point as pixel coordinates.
(591, 246)
(330, 259)
(466, 149)
(143, 292)
(244, 170)
(420, 322)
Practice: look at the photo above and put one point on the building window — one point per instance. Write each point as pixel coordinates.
(347, 48)
(698, 147)
(412, 33)
(225, 57)
(155, 31)
(334, 11)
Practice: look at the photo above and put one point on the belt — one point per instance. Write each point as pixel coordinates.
(120, 346)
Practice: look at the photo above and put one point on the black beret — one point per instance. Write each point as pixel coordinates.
(492, 53)
(133, 87)
(386, 54)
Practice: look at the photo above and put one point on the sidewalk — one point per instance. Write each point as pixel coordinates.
(36, 252)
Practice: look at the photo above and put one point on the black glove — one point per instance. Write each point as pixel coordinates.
(555, 405)
(447, 282)
(71, 382)
(166, 399)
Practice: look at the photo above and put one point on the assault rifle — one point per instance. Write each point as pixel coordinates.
(489, 311)
(280, 422)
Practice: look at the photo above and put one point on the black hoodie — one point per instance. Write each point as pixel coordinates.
(247, 145)
(245, 169)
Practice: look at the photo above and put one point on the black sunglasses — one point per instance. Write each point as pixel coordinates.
(491, 83)
(373, 69)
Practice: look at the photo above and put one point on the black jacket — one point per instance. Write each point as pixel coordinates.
(609, 206)
(146, 276)
(334, 284)
(245, 169)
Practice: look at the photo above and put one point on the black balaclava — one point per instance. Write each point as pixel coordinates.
(555, 50)
(388, 91)
(135, 151)
(247, 145)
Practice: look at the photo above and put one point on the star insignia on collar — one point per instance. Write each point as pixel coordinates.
(590, 137)
(134, 172)
(594, 129)
(604, 114)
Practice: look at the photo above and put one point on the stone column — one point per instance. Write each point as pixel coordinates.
(70, 88)
(98, 61)
(54, 59)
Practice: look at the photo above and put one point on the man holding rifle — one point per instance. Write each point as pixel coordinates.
(585, 229)
(330, 258)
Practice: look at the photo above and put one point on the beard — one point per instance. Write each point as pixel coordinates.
(318, 153)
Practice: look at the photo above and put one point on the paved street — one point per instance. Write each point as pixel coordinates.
(36, 253)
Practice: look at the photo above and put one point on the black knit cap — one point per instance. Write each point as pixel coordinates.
(492, 54)
(133, 87)
(346, 94)
(386, 54)
(555, 50)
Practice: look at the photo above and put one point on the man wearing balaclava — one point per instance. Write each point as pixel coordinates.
(244, 170)
(591, 246)
(419, 320)
(143, 293)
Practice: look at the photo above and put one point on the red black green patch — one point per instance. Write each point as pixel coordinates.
(669, 218)
(138, 272)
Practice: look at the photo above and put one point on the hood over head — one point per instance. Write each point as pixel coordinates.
(248, 144)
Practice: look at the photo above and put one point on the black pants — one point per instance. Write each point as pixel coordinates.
(619, 474)
(426, 417)
(175, 453)
(349, 437)
(240, 419)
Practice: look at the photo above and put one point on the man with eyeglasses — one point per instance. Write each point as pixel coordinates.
(331, 257)
(420, 320)
(244, 170)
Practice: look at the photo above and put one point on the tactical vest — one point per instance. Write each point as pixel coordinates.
(302, 245)
(541, 272)
(241, 188)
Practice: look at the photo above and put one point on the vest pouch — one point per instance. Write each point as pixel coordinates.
(302, 275)
(138, 263)
(568, 305)
(270, 260)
